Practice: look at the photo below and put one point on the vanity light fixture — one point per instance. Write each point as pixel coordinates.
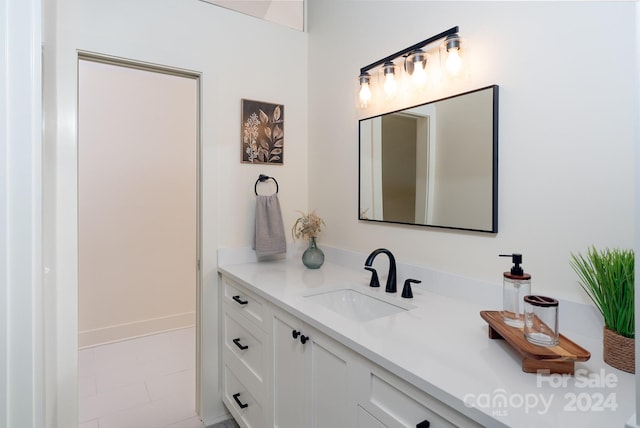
(416, 59)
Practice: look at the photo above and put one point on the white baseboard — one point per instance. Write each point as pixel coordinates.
(115, 333)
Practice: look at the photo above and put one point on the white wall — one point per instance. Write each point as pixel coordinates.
(568, 106)
(238, 57)
(137, 201)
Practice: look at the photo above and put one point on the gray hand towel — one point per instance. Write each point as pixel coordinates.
(269, 239)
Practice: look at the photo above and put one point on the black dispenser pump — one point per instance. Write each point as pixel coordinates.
(515, 285)
(517, 260)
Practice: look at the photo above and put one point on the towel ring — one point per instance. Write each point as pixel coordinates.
(261, 179)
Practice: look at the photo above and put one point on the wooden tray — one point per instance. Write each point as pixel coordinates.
(556, 359)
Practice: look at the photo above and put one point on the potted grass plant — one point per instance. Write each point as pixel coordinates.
(607, 276)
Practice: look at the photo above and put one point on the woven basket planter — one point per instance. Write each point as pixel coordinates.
(619, 351)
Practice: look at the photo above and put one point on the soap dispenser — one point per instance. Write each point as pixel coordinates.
(516, 284)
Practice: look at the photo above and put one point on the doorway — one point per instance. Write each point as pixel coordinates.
(138, 227)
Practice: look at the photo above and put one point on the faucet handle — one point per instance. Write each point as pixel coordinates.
(375, 282)
(406, 290)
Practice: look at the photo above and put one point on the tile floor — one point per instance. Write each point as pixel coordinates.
(230, 423)
(147, 382)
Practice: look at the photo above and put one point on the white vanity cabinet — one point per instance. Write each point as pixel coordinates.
(281, 372)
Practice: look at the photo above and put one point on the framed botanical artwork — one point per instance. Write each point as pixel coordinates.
(262, 133)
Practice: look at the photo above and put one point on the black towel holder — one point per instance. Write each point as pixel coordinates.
(261, 179)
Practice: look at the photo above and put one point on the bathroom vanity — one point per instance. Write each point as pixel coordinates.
(320, 348)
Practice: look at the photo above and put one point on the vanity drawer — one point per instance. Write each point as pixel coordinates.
(246, 409)
(244, 302)
(396, 403)
(244, 344)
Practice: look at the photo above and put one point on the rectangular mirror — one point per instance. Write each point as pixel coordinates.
(434, 164)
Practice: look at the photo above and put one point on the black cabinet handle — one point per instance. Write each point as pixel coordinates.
(295, 334)
(240, 403)
(239, 345)
(239, 300)
(423, 424)
(304, 339)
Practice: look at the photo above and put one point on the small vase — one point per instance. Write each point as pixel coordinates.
(619, 351)
(313, 257)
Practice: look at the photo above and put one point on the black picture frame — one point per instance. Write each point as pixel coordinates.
(262, 133)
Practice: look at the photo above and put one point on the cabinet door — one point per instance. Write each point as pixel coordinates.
(290, 368)
(331, 398)
(311, 378)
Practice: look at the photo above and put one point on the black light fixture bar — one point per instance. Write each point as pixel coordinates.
(410, 49)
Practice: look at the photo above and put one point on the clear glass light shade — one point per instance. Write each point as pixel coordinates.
(390, 85)
(419, 76)
(418, 69)
(364, 93)
(453, 63)
(453, 57)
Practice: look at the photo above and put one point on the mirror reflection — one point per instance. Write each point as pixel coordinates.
(433, 164)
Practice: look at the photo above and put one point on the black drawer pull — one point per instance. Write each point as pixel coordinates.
(240, 403)
(239, 300)
(295, 334)
(304, 339)
(423, 424)
(239, 345)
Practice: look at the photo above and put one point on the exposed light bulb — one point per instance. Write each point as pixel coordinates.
(454, 62)
(390, 84)
(419, 76)
(365, 93)
(419, 73)
(389, 70)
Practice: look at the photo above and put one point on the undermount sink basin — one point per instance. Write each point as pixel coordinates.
(355, 305)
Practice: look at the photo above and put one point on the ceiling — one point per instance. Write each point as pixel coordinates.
(289, 13)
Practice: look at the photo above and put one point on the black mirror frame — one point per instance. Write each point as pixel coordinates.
(494, 205)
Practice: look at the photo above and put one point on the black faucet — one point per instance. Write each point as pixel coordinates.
(391, 277)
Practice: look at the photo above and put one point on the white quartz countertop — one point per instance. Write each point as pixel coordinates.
(442, 347)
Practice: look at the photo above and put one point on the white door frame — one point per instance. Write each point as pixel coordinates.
(66, 377)
(92, 56)
(21, 267)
